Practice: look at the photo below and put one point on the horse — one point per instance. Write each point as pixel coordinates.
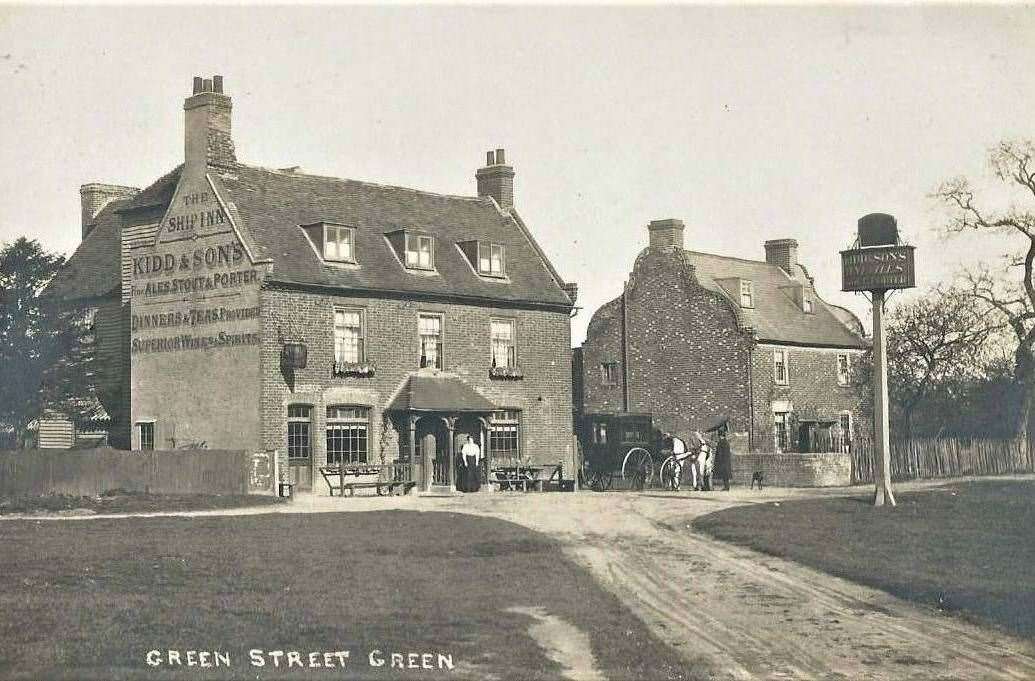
(699, 458)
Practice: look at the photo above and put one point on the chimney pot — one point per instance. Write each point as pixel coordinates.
(496, 179)
(668, 232)
(207, 115)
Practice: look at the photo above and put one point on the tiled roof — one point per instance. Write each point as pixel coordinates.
(93, 270)
(776, 317)
(440, 393)
(159, 193)
(270, 205)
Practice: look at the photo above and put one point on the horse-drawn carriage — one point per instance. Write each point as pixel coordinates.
(627, 447)
(617, 446)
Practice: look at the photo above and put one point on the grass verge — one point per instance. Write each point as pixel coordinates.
(89, 599)
(965, 547)
(122, 501)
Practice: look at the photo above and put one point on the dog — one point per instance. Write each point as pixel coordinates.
(757, 476)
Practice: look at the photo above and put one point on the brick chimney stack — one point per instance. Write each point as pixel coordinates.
(783, 252)
(666, 233)
(95, 196)
(207, 140)
(496, 179)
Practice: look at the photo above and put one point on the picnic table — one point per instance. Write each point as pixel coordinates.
(514, 477)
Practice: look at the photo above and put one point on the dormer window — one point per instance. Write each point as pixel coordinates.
(420, 252)
(491, 259)
(747, 293)
(806, 304)
(339, 243)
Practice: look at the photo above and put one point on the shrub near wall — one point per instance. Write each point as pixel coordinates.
(827, 469)
(89, 472)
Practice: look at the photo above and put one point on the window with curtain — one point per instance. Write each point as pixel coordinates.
(490, 259)
(430, 328)
(348, 336)
(844, 368)
(504, 349)
(338, 243)
(420, 252)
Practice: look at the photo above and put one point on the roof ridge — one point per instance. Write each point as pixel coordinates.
(367, 183)
(733, 257)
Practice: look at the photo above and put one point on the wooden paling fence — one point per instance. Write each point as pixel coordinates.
(945, 457)
(83, 472)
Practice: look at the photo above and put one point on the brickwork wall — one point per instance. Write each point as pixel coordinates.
(687, 358)
(543, 395)
(793, 470)
(812, 391)
(603, 345)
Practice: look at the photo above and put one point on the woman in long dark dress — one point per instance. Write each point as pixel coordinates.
(471, 455)
(723, 461)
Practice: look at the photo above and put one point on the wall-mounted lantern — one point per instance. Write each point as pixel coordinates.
(293, 355)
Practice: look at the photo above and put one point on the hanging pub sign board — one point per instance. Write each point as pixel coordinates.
(877, 268)
(881, 263)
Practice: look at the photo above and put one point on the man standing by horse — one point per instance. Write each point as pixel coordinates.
(723, 458)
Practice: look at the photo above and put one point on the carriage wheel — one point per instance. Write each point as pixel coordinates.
(601, 481)
(638, 467)
(671, 471)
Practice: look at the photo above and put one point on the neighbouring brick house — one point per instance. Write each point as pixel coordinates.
(696, 337)
(423, 317)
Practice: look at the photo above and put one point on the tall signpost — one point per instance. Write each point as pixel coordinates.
(878, 263)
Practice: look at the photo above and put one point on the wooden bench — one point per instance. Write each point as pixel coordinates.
(390, 477)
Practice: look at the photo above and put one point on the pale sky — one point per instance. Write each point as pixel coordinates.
(746, 123)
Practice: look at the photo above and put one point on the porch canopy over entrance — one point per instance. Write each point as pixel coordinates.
(447, 394)
(444, 397)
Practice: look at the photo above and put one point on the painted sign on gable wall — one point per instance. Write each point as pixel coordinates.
(195, 325)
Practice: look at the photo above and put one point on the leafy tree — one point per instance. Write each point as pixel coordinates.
(1010, 291)
(46, 352)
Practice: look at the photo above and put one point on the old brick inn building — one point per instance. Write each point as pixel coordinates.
(317, 320)
(696, 337)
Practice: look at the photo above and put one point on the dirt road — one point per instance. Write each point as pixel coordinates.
(734, 612)
(743, 615)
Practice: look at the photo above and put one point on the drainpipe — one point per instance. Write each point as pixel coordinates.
(625, 354)
(751, 398)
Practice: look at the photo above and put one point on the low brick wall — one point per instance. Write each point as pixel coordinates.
(829, 469)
